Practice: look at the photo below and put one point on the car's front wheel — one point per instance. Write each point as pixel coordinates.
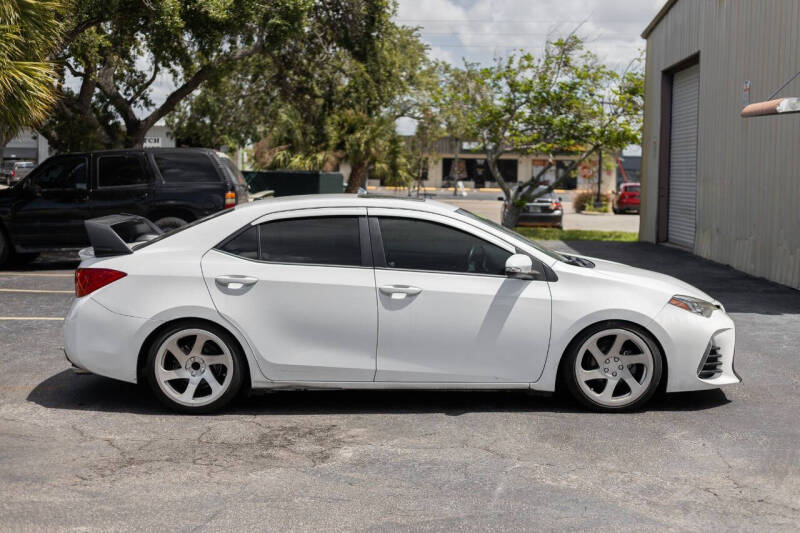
(613, 367)
(195, 367)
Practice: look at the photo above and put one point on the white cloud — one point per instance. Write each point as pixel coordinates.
(479, 30)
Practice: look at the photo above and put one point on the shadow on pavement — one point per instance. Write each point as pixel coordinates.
(47, 261)
(738, 292)
(67, 390)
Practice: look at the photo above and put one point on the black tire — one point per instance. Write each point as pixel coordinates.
(234, 386)
(5, 248)
(616, 211)
(568, 372)
(166, 224)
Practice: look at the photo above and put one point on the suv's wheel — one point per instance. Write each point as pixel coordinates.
(195, 368)
(613, 367)
(166, 224)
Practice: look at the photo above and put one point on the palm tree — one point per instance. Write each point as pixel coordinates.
(29, 30)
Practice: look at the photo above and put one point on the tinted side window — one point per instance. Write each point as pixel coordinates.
(245, 244)
(319, 240)
(186, 168)
(420, 245)
(62, 173)
(120, 170)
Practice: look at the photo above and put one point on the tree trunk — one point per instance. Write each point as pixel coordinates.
(511, 213)
(332, 161)
(357, 175)
(454, 166)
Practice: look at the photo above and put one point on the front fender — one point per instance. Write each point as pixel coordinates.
(561, 338)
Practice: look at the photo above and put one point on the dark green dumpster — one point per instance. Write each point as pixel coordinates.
(292, 182)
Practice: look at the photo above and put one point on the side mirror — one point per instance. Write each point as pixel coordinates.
(519, 266)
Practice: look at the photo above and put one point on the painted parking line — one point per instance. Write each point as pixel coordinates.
(36, 275)
(52, 318)
(37, 291)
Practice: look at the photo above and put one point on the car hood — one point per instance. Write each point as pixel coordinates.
(640, 276)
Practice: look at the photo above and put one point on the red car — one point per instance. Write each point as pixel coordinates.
(627, 199)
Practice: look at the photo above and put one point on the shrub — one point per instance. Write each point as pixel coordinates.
(584, 201)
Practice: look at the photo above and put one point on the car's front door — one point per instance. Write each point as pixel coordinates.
(300, 286)
(446, 310)
(53, 204)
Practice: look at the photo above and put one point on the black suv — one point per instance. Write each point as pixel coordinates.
(170, 186)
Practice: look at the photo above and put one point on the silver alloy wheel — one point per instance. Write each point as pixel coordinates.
(193, 367)
(614, 367)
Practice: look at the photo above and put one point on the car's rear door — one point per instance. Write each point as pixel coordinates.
(122, 183)
(446, 310)
(300, 286)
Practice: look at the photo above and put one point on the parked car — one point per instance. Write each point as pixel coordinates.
(289, 294)
(171, 186)
(14, 171)
(544, 211)
(627, 198)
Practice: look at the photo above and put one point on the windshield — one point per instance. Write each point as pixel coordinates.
(170, 233)
(511, 233)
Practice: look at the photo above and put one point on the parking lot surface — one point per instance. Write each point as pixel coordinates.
(88, 453)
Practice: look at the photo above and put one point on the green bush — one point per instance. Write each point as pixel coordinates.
(584, 201)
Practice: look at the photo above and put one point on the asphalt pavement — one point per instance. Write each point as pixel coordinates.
(88, 453)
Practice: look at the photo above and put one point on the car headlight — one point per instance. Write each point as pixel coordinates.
(693, 305)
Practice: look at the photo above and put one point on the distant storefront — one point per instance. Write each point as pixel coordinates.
(32, 146)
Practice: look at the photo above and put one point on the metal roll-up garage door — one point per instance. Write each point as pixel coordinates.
(683, 157)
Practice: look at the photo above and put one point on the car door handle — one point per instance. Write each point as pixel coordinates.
(235, 282)
(399, 291)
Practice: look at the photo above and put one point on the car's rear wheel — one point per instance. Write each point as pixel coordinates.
(613, 367)
(195, 368)
(166, 224)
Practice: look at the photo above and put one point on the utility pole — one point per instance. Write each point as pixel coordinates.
(597, 201)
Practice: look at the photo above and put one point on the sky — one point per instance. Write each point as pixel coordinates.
(480, 30)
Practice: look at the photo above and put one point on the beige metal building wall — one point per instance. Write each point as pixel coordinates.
(748, 170)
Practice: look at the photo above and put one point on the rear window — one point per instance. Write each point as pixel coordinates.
(192, 167)
(632, 188)
(182, 228)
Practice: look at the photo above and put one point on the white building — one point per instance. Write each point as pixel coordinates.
(30, 145)
(726, 188)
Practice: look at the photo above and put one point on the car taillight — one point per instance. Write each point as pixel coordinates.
(555, 206)
(13, 173)
(230, 199)
(88, 280)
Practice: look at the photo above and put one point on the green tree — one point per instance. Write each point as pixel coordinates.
(29, 30)
(562, 103)
(333, 93)
(456, 96)
(115, 52)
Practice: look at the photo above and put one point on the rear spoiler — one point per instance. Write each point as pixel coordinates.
(110, 234)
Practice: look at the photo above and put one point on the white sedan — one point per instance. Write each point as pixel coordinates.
(366, 292)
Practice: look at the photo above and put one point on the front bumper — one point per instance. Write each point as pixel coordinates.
(686, 339)
(101, 341)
